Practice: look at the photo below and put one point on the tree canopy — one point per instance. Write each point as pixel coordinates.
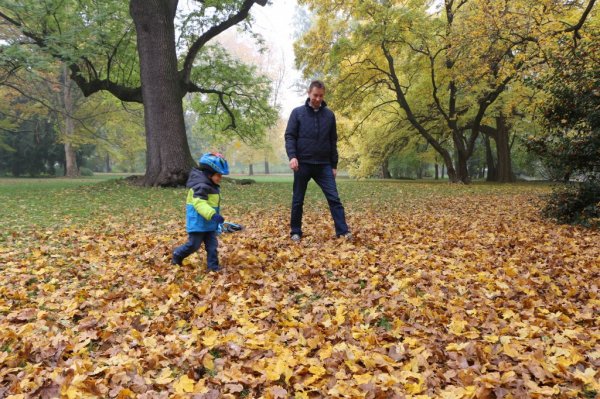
(442, 71)
(143, 51)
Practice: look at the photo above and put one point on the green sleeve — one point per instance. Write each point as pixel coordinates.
(201, 205)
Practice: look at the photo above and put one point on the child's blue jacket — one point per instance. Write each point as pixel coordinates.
(203, 201)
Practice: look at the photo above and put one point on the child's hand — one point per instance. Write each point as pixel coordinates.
(217, 218)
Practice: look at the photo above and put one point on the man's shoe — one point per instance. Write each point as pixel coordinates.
(348, 236)
(296, 237)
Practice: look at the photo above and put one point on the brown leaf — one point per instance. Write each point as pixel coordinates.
(23, 315)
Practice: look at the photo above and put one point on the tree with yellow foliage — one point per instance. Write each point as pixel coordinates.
(441, 70)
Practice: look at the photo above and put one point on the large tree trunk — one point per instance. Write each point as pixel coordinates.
(437, 171)
(250, 169)
(71, 169)
(462, 168)
(492, 173)
(449, 163)
(107, 166)
(168, 158)
(385, 170)
(462, 172)
(505, 173)
(267, 171)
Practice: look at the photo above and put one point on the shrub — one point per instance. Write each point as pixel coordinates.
(575, 204)
(86, 172)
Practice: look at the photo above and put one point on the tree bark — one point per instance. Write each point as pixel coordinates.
(437, 171)
(71, 169)
(267, 171)
(385, 171)
(250, 169)
(108, 169)
(462, 157)
(492, 174)
(168, 157)
(505, 173)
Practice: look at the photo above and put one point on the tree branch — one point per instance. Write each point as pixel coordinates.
(90, 87)
(214, 31)
(575, 28)
(192, 88)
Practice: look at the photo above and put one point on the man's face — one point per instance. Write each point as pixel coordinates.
(315, 96)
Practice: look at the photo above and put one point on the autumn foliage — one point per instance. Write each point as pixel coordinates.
(457, 292)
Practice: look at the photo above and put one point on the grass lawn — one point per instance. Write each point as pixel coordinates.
(447, 291)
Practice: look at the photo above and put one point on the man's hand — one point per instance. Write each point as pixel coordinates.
(334, 173)
(294, 164)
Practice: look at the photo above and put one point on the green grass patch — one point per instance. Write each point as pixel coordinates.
(30, 204)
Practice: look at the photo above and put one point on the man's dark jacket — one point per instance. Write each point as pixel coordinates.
(311, 136)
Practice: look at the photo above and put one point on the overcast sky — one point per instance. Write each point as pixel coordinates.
(276, 23)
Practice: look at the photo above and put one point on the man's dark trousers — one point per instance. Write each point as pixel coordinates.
(193, 244)
(322, 174)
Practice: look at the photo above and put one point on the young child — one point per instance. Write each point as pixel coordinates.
(202, 209)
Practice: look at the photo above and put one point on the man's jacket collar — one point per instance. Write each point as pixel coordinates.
(307, 103)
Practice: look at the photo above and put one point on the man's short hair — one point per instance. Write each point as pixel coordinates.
(316, 83)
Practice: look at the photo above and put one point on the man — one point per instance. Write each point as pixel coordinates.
(311, 146)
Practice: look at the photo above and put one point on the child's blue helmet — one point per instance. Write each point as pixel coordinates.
(214, 162)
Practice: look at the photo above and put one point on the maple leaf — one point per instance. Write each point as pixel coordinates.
(184, 384)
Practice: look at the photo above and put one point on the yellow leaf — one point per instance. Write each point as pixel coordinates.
(184, 385)
(340, 317)
(454, 392)
(317, 372)
(595, 355)
(125, 393)
(587, 377)
(415, 301)
(507, 377)
(511, 350)
(165, 377)
(536, 389)
(274, 370)
(456, 347)
(72, 392)
(507, 314)
(414, 388)
(210, 338)
(208, 362)
(326, 351)
(457, 326)
(363, 378)
(408, 377)
(491, 338)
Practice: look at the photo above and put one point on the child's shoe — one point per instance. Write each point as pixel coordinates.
(176, 260)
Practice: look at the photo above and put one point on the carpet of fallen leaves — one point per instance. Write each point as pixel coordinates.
(460, 298)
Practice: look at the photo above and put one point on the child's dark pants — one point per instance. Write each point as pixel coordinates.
(194, 241)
